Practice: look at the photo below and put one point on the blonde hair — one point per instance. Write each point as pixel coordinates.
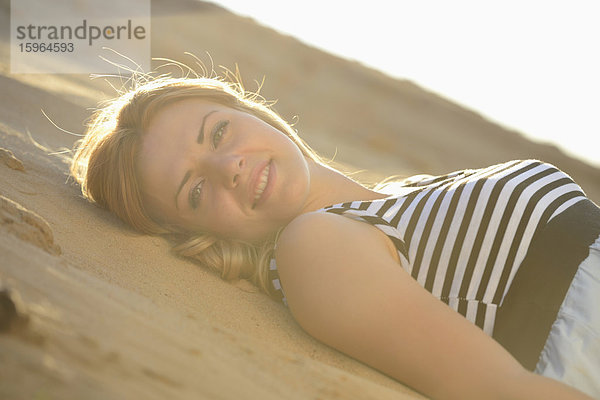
(104, 164)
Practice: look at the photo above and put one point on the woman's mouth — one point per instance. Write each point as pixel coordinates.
(263, 181)
(262, 184)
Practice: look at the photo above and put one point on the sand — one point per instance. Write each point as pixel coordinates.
(90, 309)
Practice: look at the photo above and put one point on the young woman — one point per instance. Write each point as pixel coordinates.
(440, 282)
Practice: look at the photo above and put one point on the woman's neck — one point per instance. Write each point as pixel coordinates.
(329, 186)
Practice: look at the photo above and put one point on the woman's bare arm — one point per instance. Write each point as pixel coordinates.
(344, 287)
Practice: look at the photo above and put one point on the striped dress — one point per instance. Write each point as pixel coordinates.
(499, 245)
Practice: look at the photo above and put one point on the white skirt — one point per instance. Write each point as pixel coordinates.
(572, 351)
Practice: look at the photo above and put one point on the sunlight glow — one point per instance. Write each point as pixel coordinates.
(530, 65)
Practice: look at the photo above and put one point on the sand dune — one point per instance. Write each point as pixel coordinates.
(102, 312)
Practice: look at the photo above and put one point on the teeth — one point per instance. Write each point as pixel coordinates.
(263, 183)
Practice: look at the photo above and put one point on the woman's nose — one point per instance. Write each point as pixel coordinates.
(227, 169)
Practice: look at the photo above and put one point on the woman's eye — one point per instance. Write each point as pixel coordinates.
(195, 194)
(218, 132)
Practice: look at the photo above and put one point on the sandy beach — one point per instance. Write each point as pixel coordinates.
(102, 312)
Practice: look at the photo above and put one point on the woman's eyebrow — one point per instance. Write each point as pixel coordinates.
(200, 138)
(183, 181)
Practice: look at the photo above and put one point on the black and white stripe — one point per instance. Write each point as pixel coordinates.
(464, 235)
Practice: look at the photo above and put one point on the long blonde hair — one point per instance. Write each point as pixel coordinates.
(104, 164)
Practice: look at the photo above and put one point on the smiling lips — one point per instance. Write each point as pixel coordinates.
(262, 184)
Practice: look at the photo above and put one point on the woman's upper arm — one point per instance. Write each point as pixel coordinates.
(345, 288)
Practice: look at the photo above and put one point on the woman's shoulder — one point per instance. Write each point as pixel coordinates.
(307, 232)
(320, 254)
(317, 239)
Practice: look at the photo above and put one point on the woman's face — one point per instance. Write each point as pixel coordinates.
(206, 167)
